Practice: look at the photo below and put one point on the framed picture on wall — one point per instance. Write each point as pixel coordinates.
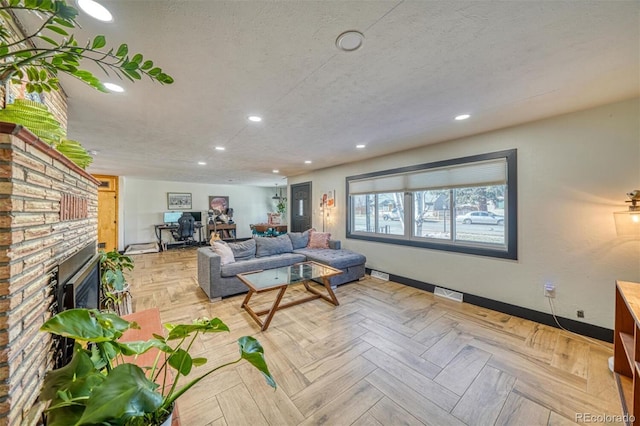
(178, 201)
(331, 199)
(219, 203)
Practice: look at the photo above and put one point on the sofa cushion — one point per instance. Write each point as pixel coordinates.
(261, 263)
(268, 246)
(319, 240)
(340, 259)
(243, 250)
(222, 249)
(299, 239)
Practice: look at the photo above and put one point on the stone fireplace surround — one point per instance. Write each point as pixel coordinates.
(38, 231)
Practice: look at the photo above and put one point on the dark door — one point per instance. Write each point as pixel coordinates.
(300, 207)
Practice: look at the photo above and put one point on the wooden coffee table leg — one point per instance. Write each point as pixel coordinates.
(327, 285)
(274, 308)
(329, 297)
(245, 302)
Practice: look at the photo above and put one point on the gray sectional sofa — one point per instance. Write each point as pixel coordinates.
(259, 253)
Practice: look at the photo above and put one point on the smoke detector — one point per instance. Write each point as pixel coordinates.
(350, 40)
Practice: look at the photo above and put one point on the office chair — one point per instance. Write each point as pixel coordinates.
(184, 233)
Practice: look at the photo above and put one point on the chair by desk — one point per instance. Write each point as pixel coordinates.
(186, 225)
(172, 227)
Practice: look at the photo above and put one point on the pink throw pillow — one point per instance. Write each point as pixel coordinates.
(318, 240)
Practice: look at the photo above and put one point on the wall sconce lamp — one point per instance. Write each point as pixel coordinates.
(628, 221)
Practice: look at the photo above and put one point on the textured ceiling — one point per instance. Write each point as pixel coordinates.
(422, 63)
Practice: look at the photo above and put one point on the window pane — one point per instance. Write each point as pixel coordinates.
(391, 213)
(432, 214)
(363, 213)
(480, 214)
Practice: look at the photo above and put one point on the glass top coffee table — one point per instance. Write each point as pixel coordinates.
(280, 279)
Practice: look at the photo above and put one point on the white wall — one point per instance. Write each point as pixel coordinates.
(573, 173)
(142, 203)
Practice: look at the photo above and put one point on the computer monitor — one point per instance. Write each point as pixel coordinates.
(197, 216)
(172, 217)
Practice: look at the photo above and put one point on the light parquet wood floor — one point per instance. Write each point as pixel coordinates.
(388, 355)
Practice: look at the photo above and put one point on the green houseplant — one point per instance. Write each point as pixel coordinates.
(281, 207)
(39, 57)
(115, 290)
(52, 49)
(99, 387)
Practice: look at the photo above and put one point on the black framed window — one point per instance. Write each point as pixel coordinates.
(465, 205)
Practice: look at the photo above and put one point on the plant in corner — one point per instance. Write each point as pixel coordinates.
(99, 387)
(115, 289)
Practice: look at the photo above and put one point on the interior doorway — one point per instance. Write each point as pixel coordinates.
(107, 212)
(301, 207)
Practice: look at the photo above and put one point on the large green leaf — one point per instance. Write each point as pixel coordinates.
(57, 29)
(140, 347)
(251, 350)
(125, 393)
(137, 58)
(63, 378)
(64, 416)
(122, 51)
(181, 361)
(204, 325)
(99, 42)
(87, 325)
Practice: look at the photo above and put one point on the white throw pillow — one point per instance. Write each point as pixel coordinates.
(224, 251)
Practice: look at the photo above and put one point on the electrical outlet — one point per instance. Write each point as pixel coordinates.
(549, 290)
(580, 313)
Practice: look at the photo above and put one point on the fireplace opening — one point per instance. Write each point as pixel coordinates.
(83, 289)
(75, 284)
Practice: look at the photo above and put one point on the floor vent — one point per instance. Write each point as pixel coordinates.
(449, 294)
(380, 275)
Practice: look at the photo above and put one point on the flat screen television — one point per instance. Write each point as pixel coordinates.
(196, 215)
(172, 217)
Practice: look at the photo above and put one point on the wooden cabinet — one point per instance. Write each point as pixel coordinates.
(225, 231)
(626, 348)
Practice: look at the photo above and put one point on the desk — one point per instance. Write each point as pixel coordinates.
(168, 227)
(224, 230)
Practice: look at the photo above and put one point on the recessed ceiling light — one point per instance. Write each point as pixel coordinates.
(95, 10)
(201, 163)
(113, 87)
(350, 41)
(462, 117)
(276, 171)
(360, 146)
(255, 118)
(307, 162)
(93, 151)
(219, 148)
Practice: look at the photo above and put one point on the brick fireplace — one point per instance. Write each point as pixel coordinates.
(48, 212)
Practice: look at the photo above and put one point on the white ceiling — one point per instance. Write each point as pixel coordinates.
(422, 63)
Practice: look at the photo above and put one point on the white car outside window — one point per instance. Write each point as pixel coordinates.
(481, 217)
